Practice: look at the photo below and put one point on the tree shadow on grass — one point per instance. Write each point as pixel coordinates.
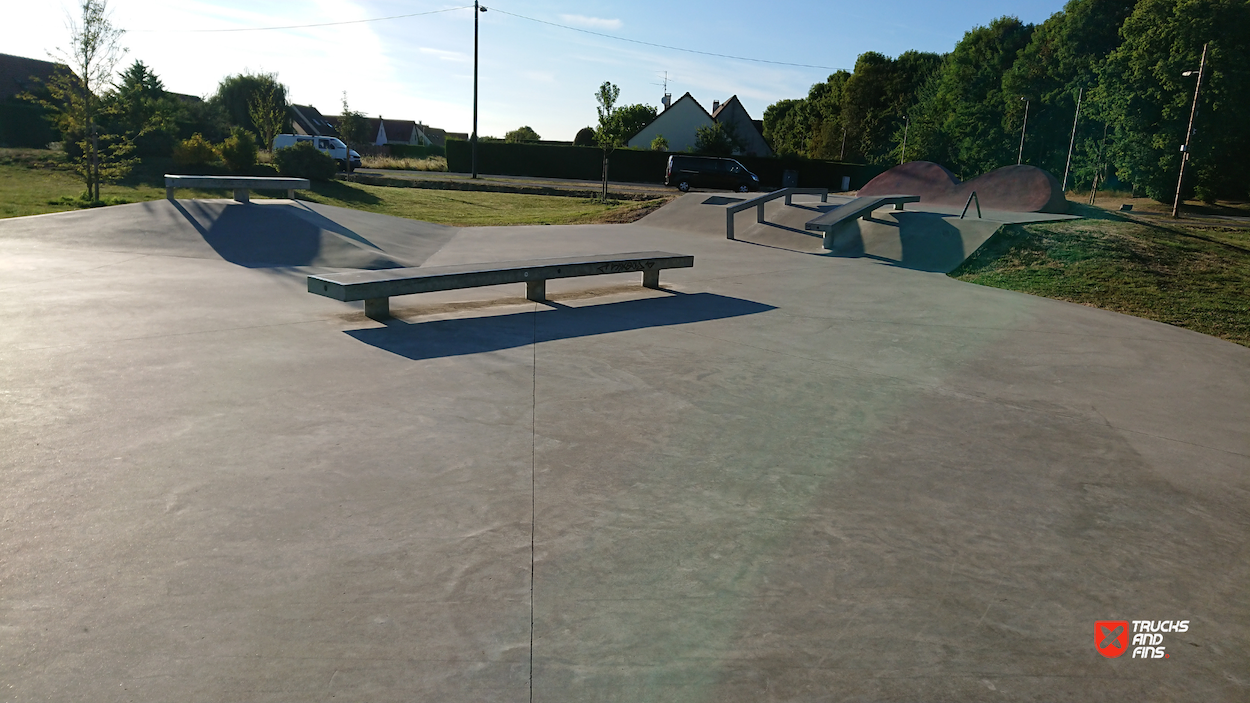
(345, 192)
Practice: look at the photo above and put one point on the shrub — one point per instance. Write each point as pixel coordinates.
(195, 151)
(304, 161)
(239, 150)
(521, 134)
(659, 143)
(585, 137)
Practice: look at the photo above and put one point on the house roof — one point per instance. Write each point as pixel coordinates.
(16, 73)
(311, 121)
(686, 96)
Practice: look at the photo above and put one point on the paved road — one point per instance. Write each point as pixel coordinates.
(523, 180)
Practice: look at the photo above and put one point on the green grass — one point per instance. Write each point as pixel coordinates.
(1191, 275)
(34, 182)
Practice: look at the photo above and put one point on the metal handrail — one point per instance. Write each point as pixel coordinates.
(758, 204)
(970, 199)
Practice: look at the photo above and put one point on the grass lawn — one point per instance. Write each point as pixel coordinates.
(34, 182)
(1192, 274)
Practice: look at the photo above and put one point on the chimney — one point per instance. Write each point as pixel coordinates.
(715, 106)
(666, 100)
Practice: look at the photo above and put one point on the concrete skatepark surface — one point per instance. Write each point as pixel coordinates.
(792, 475)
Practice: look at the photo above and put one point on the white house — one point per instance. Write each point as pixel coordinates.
(677, 124)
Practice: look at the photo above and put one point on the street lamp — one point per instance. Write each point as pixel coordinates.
(1189, 131)
(1071, 143)
(473, 141)
(1020, 156)
(906, 124)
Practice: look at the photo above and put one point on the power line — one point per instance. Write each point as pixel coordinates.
(664, 46)
(303, 26)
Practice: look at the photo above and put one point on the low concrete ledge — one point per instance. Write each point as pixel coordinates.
(849, 212)
(377, 287)
(241, 185)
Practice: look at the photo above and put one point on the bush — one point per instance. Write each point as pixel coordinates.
(304, 161)
(659, 143)
(195, 151)
(239, 150)
(585, 137)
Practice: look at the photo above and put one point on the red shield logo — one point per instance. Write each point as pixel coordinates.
(1111, 637)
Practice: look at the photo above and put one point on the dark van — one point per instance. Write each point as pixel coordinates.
(688, 172)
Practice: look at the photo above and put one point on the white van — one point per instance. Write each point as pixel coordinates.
(330, 145)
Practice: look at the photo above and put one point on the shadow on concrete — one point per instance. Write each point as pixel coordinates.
(924, 241)
(442, 338)
(274, 236)
(722, 200)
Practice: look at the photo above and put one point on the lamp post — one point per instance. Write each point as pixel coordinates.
(1023, 127)
(906, 125)
(473, 140)
(1072, 142)
(1189, 131)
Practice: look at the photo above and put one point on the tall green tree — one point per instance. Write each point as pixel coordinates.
(268, 112)
(144, 112)
(1061, 63)
(237, 94)
(877, 98)
(78, 98)
(977, 124)
(1147, 100)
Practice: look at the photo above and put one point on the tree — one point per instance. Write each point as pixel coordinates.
(585, 137)
(353, 129)
(1147, 100)
(659, 143)
(877, 99)
(976, 125)
(239, 150)
(268, 112)
(719, 139)
(235, 95)
(93, 53)
(143, 112)
(521, 134)
(608, 135)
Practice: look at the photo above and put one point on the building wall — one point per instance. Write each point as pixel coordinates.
(677, 124)
(752, 141)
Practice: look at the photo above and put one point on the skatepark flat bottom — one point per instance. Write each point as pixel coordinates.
(783, 477)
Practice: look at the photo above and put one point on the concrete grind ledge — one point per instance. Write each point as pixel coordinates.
(788, 476)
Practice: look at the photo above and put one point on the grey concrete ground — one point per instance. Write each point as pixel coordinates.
(789, 476)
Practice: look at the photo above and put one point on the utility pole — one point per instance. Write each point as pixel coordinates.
(1189, 132)
(842, 154)
(1025, 126)
(473, 140)
(906, 125)
(1072, 142)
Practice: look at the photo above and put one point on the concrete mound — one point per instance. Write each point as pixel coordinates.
(1019, 188)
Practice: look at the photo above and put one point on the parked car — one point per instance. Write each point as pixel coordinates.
(688, 172)
(330, 145)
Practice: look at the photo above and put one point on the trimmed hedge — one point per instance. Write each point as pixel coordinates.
(24, 124)
(409, 151)
(635, 165)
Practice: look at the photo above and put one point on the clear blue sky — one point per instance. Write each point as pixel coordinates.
(532, 74)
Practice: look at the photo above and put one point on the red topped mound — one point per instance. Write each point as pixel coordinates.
(1012, 188)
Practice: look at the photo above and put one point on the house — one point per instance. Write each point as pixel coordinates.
(383, 132)
(679, 124)
(19, 74)
(305, 119)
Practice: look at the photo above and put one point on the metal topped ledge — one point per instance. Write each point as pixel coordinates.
(377, 287)
(241, 185)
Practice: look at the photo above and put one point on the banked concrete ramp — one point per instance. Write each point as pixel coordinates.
(924, 237)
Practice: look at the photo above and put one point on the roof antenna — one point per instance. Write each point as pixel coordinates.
(667, 99)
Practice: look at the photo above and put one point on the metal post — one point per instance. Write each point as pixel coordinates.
(1072, 142)
(1189, 131)
(1025, 126)
(906, 125)
(473, 139)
